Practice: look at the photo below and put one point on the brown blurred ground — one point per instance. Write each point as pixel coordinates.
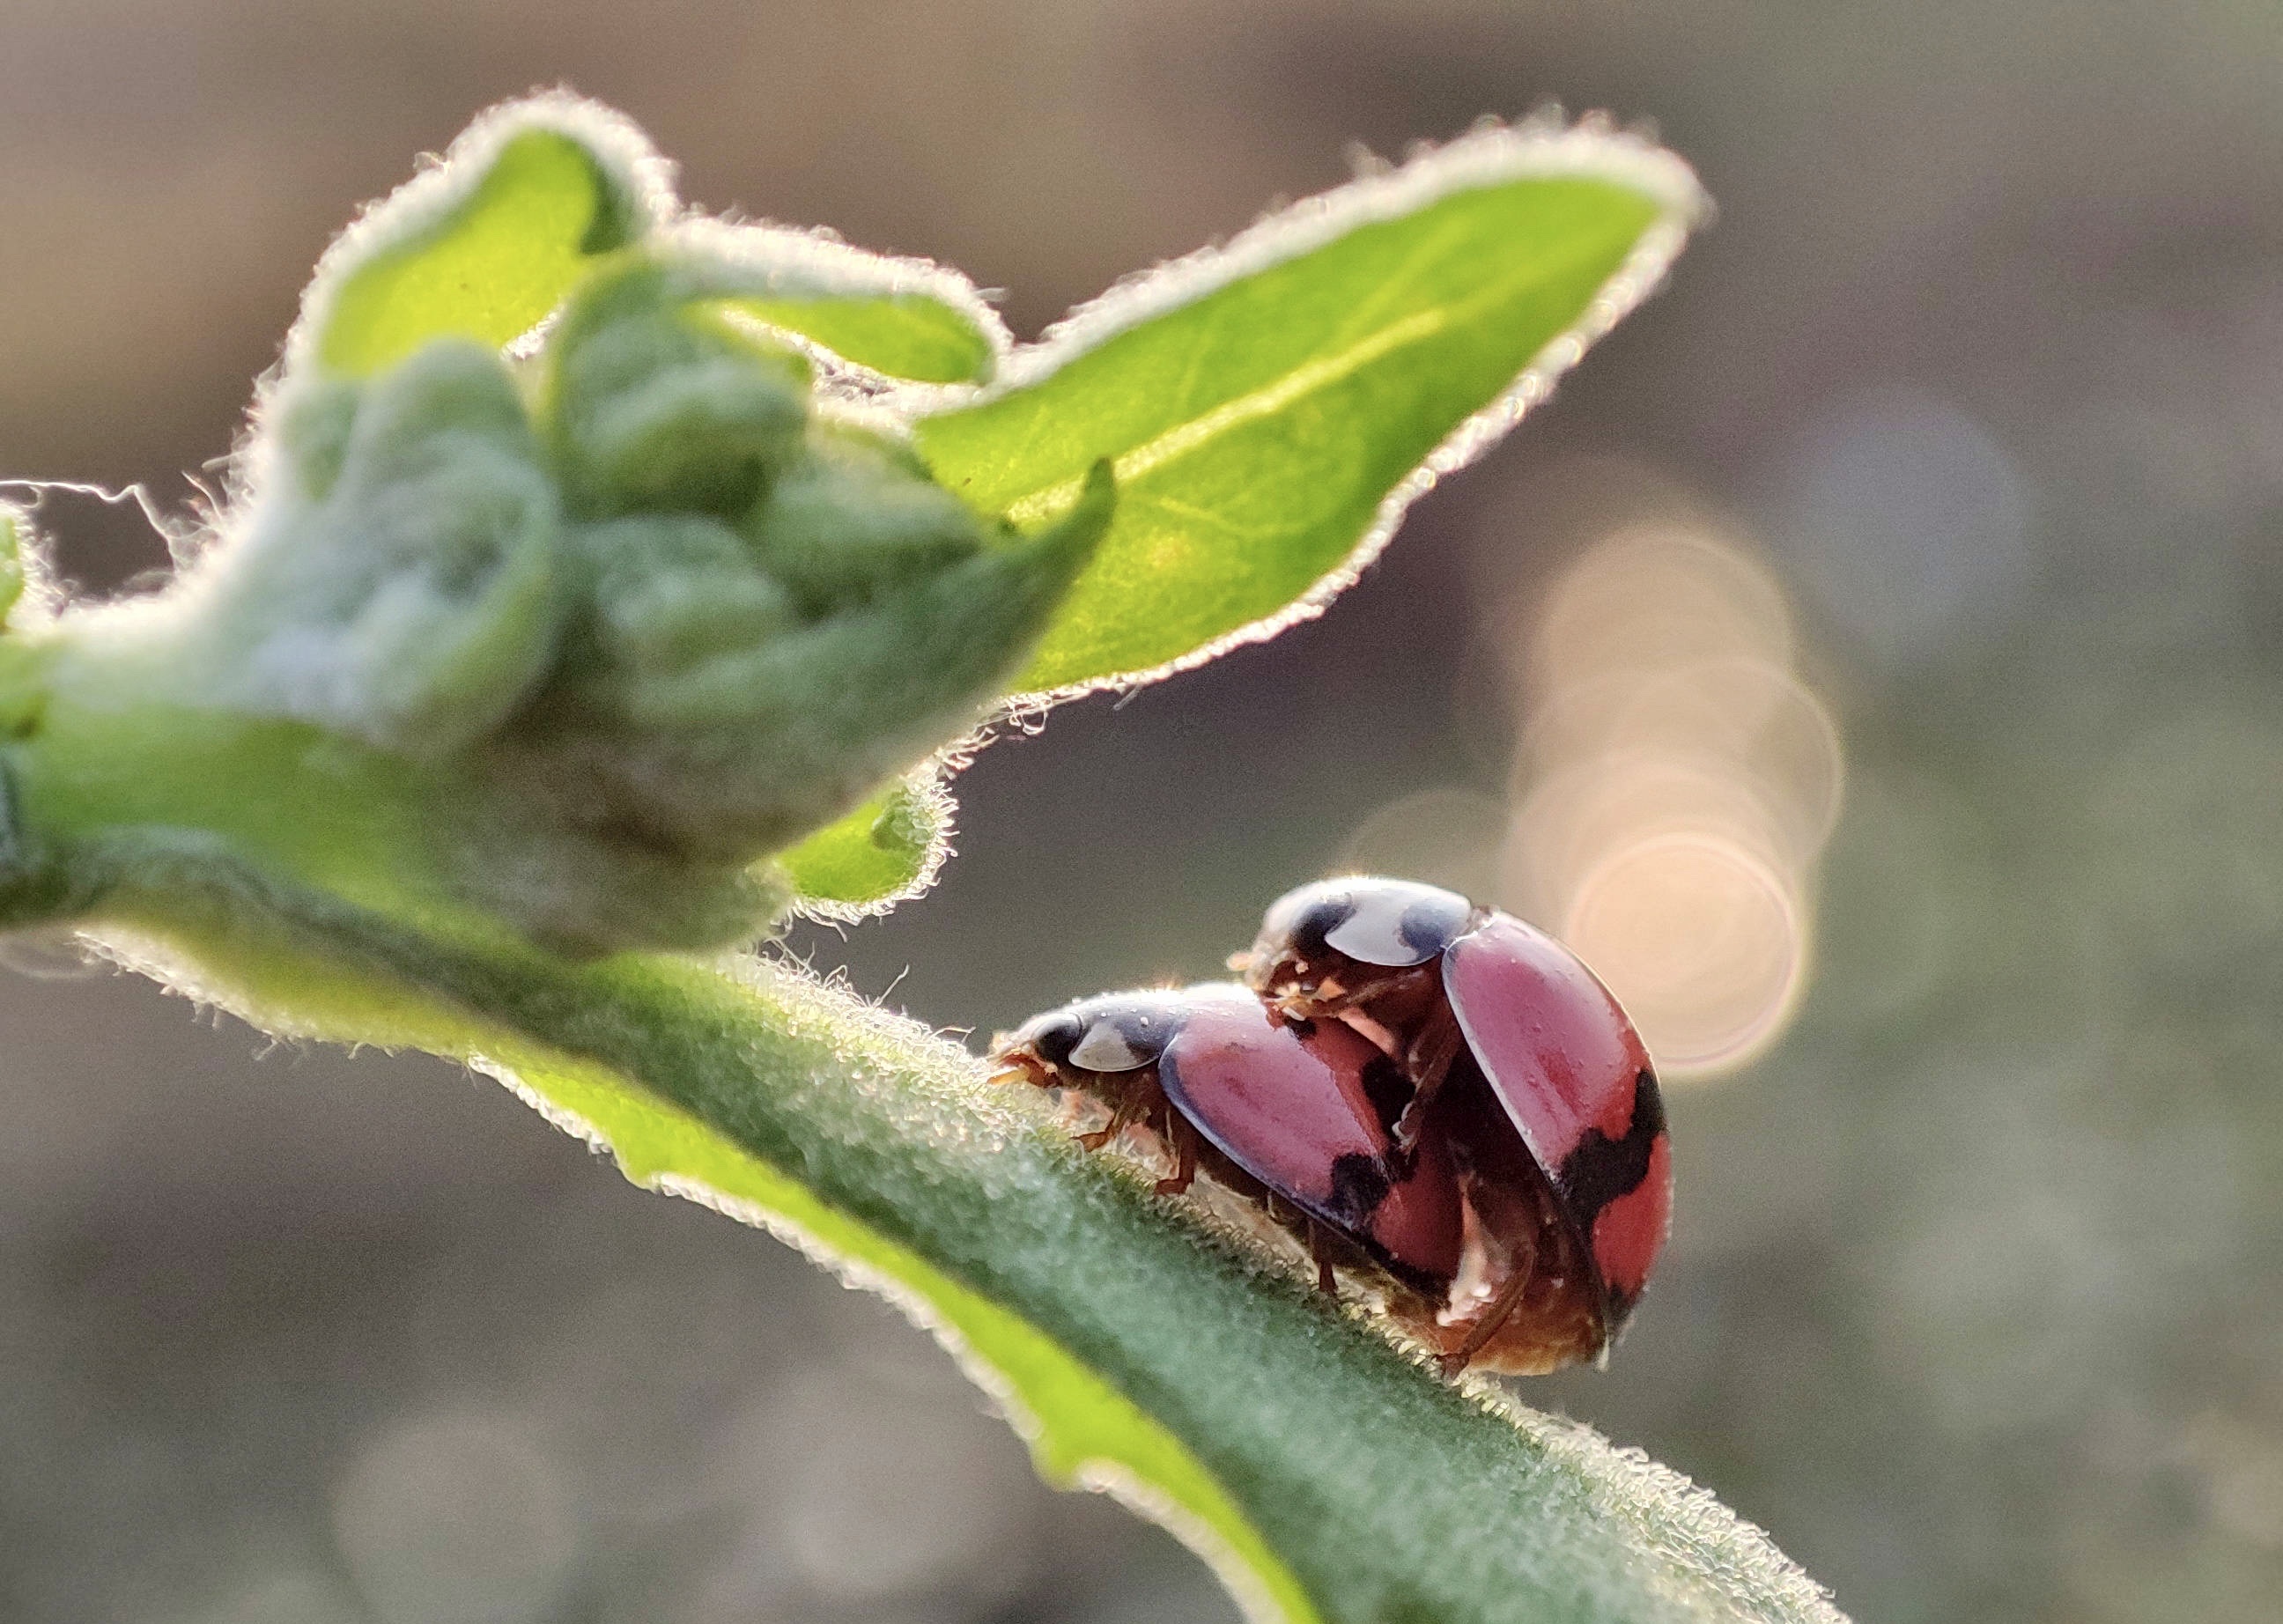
(1974, 1300)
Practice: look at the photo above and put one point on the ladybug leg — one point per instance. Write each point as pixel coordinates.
(1429, 1061)
(1019, 1069)
(1182, 1139)
(1497, 1311)
(1121, 1116)
(1327, 998)
(1495, 1315)
(1371, 1032)
(1321, 1254)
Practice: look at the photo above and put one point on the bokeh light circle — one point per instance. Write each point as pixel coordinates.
(1657, 594)
(1702, 941)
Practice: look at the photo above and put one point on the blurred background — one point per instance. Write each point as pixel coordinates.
(1876, 664)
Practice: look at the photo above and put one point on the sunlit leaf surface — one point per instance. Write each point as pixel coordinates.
(488, 267)
(904, 335)
(1270, 408)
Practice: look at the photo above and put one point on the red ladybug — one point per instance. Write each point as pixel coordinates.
(1293, 1116)
(1521, 1060)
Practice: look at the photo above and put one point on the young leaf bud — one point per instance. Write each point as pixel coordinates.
(741, 751)
(857, 517)
(651, 638)
(666, 591)
(412, 603)
(310, 422)
(663, 405)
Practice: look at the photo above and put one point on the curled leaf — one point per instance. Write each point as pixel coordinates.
(486, 244)
(405, 594)
(906, 335)
(901, 321)
(886, 851)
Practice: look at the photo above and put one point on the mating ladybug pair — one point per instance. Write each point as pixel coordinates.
(1430, 1093)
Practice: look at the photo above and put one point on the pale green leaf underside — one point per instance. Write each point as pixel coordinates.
(902, 335)
(489, 269)
(1257, 429)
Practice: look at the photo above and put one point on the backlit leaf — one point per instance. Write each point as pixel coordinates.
(1272, 407)
(901, 335)
(887, 850)
(483, 248)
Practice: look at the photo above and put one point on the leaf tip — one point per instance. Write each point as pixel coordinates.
(888, 850)
(353, 309)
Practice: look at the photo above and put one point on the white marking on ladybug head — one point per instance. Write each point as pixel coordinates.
(1124, 1031)
(1374, 933)
(1396, 923)
(1392, 923)
(1113, 1044)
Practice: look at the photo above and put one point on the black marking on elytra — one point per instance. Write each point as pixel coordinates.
(1359, 1184)
(1388, 1090)
(1602, 1169)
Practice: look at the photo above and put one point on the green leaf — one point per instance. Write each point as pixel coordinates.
(484, 247)
(887, 849)
(1327, 1475)
(1270, 407)
(907, 321)
(12, 578)
(900, 335)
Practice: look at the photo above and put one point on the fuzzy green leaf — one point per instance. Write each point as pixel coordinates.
(1327, 1476)
(907, 336)
(522, 223)
(12, 561)
(887, 850)
(1270, 407)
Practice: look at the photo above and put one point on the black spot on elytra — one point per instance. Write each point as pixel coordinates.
(1359, 1184)
(1387, 1088)
(1602, 1169)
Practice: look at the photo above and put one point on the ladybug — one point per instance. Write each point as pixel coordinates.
(1293, 1116)
(1522, 1062)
